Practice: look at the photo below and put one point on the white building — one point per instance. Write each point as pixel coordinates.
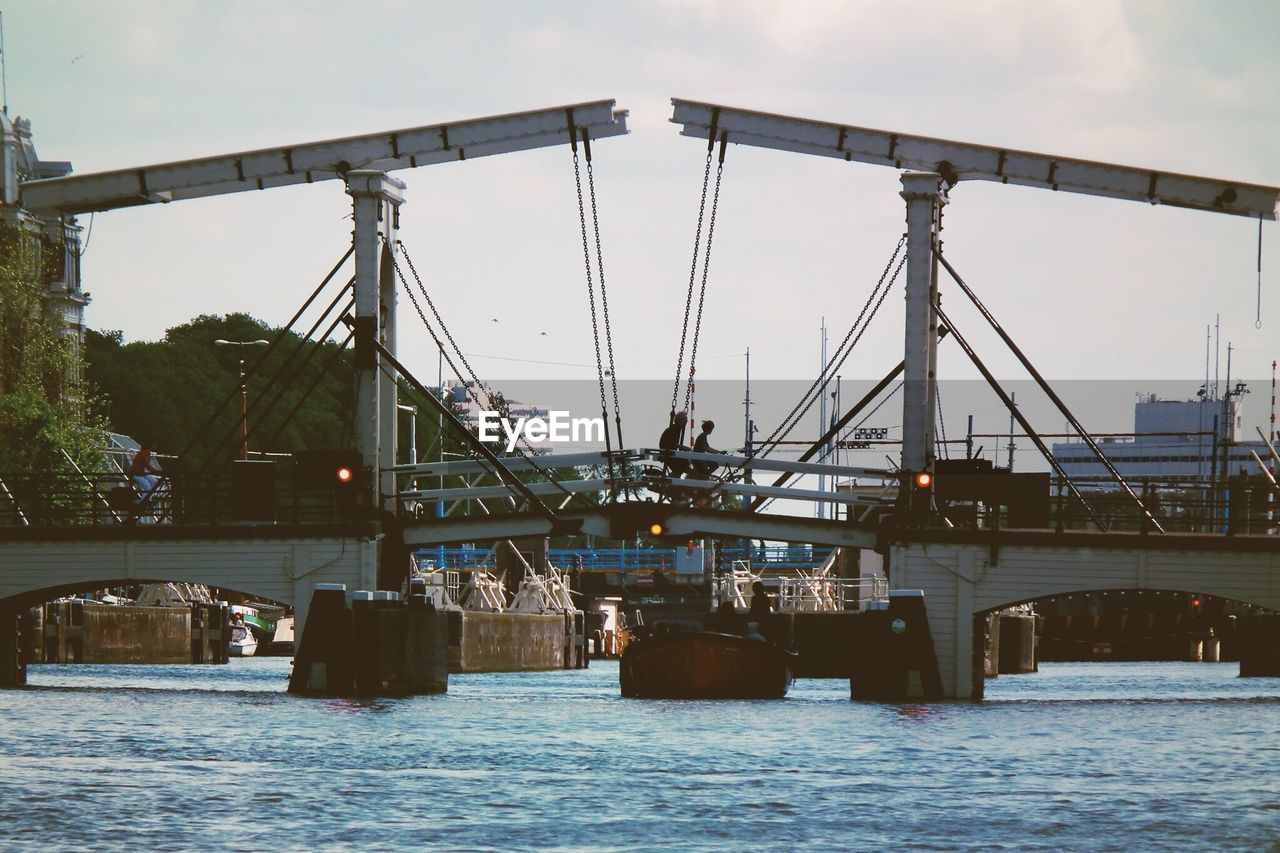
(57, 239)
(1174, 441)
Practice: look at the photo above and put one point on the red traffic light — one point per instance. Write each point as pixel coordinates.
(923, 479)
(344, 474)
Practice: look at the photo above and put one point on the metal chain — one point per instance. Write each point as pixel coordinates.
(702, 294)
(604, 304)
(693, 274)
(827, 371)
(591, 301)
(775, 439)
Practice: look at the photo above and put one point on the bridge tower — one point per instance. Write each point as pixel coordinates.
(375, 200)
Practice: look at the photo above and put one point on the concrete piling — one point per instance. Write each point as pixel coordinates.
(379, 646)
(1017, 647)
(895, 660)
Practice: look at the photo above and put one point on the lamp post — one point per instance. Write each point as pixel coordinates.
(244, 390)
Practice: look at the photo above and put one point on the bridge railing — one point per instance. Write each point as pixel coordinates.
(775, 558)
(1236, 505)
(586, 559)
(56, 499)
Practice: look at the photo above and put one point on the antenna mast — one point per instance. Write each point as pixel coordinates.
(4, 80)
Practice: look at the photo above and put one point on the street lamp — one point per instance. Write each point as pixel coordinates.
(244, 391)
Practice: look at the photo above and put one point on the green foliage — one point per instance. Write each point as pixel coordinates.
(300, 394)
(180, 394)
(44, 407)
(300, 397)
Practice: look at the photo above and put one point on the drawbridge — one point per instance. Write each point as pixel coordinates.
(659, 505)
(626, 492)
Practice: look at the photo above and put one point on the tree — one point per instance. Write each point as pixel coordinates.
(180, 393)
(45, 409)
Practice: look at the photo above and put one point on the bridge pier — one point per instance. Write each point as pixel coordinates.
(376, 645)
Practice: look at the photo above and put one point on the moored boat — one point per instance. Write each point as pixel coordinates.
(242, 643)
(705, 665)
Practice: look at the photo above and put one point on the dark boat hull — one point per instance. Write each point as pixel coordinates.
(705, 665)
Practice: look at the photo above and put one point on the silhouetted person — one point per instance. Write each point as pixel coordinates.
(726, 621)
(761, 608)
(672, 438)
(702, 444)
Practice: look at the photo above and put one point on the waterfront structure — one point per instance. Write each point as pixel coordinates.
(1196, 442)
(52, 237)
(960, 573)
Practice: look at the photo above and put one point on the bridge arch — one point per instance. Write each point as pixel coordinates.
(275, 563)
(964, 575)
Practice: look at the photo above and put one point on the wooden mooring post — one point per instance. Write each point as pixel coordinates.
(210, 630)
(63, 632)
(13, 662)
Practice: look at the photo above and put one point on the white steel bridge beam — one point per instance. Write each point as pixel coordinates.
(963, 161)
(308, 162)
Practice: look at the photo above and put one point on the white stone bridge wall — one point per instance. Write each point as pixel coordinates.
(280, 569)
(962, 579)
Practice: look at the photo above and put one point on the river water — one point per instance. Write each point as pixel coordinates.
(1078, 756)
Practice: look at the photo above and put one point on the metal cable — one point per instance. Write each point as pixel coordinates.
(213, 416)
(693, 274)
(851, 338)
(526, 451)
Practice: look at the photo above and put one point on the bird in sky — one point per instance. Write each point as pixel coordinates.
(77, 59)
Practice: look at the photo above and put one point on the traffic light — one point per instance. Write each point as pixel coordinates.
(919, 495)
(639, 518)
(338, 472)
(329, 469)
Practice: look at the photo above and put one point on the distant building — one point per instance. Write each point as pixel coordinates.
(54, 240)
(460, 395)
(1189, 442)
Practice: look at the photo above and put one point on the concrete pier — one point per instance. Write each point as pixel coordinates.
(507, 642)
(371, 647)
(1016, 648)
(84, 632)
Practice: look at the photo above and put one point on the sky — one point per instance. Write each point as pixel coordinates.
(1092, 288)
